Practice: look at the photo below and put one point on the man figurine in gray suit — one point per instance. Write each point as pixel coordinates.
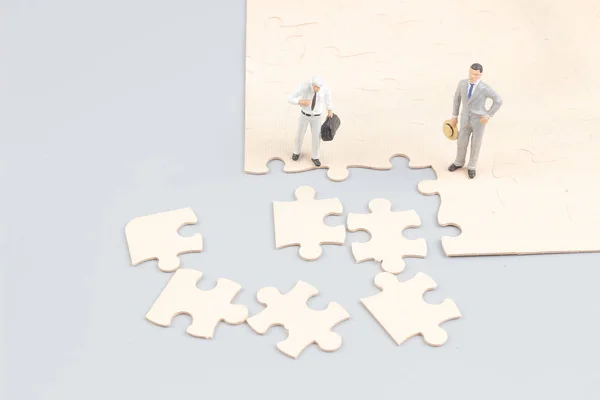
(472, 93)
(310, 96)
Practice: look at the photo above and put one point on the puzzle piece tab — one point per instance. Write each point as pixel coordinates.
(304, 325)
(300, 223)
(387, 245)
(206, 307)
(155, 237)
(402, 312)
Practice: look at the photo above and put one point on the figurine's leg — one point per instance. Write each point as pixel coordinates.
(462, 143)
(315, 128)
(478, 129)
(302, 125)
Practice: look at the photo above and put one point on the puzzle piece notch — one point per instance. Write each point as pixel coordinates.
(206, 307)
(156, 237)
(401, 310)
(304, 325)
(388, 244)
(300, 223)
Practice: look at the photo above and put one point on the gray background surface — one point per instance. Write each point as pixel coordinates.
(116, 109)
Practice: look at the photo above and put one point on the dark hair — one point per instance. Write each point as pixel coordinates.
(477, 67)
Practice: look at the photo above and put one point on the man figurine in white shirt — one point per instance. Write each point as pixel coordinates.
(310, 96)
(472, 94)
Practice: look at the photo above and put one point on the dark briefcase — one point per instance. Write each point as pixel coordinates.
(329, 128)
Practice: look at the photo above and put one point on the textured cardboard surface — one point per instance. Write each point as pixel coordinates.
(392, 68)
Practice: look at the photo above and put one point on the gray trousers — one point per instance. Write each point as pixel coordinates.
(470, 128)
(315, 128)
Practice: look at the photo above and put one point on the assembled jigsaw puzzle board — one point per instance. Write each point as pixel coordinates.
(392, 68)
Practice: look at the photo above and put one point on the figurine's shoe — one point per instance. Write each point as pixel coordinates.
(295, 157)
(316, 162)
(453, 167)
(472, 173)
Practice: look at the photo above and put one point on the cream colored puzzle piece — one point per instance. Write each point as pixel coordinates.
(206, 307)
(304, 325)
(300, 223)
(387, 245)
(529, 202)
(402, 312)
(155, 237)
(474, 206)
(286, 36)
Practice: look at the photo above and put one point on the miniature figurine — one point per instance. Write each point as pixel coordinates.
(472, 93)
(310, 96)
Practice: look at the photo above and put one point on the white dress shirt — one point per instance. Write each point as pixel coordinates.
(472, 91)
(306, 92)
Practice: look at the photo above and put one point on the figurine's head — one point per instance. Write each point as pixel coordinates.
(475, 72)
(317, 82)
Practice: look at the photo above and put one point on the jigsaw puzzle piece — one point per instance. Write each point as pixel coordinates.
(206, 307)
(156, 237)
(476, 206)
(282, 56)
(297, 341)
(279, 37)
(304, 325)
(402, 312)
(381, 23)
(300, 223)
(277, 303)
(387, 245)
(527, 184)
(558, 187)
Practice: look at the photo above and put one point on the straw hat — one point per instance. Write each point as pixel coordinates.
(450, 131)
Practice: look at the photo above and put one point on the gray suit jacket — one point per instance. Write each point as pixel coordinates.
(476, 104)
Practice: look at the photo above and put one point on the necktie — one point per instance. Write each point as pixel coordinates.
(312, 107)
(470, 90)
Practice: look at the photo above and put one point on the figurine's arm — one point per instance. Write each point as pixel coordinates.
(328, 102)
(456, 104)
(294, 98)
(496, 102)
